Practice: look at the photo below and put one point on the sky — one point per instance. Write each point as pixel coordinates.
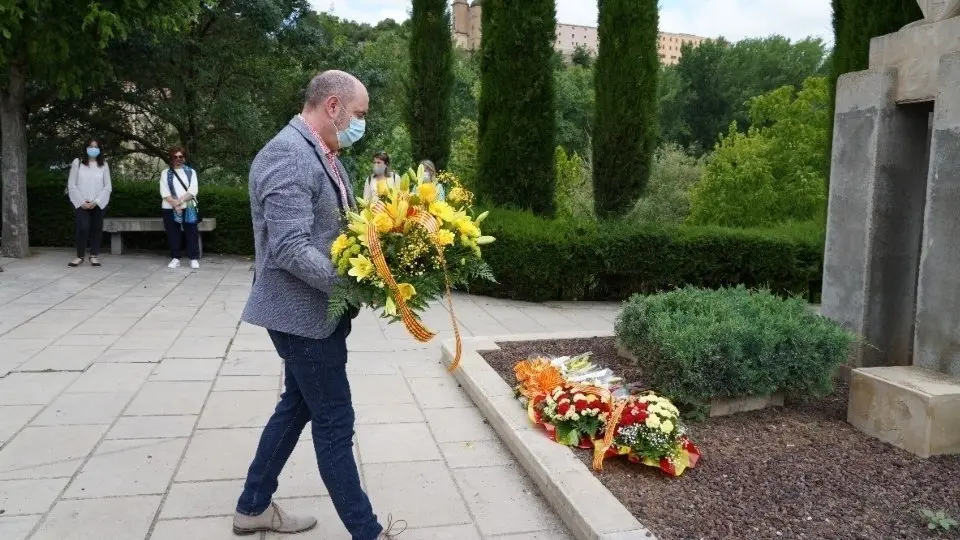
(732, 19)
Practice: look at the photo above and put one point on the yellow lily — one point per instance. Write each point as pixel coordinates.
(407, 291)
(390, 307)
(360, 267)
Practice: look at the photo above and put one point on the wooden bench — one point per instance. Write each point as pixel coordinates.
(117, 226)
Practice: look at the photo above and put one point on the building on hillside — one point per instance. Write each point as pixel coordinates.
(466, 34)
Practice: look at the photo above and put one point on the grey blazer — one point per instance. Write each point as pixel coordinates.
(297, 213)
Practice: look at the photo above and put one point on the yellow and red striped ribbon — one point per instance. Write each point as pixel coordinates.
(410, 320)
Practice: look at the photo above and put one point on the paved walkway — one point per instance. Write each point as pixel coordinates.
(131, 401)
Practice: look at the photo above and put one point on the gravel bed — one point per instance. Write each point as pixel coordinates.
(800, 471)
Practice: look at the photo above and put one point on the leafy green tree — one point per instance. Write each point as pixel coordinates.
(466, 86)
(575, 104)
(667, 200)
(773, 173)
(625, 129)
(673, 96)
(574, 197)
(463, 155)
(717, 79)
(221, 88)
(517, 122)
(581, 57)
(431, 81)
(57, 48)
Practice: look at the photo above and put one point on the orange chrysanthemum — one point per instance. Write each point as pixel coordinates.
(537, 377)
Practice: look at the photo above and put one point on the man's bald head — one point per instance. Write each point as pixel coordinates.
(329, 84)
(333, 98)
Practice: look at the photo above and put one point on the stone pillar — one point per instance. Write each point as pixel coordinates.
(875, 216)
(938, 293)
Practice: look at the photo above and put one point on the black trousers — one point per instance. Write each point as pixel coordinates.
(175, 233)
(89, 231)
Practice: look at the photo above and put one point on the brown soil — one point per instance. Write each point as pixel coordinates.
(794, 472)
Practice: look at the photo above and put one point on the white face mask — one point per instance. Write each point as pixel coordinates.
(379, 170)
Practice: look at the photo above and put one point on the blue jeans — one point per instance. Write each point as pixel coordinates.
(317, 391)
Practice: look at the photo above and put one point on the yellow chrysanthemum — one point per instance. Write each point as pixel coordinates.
(443, 211)
(383, 223)
(653, 421)
(340, 244)
(360, 267)
(468, 228)
(445, 237)
(427, 192)
(666, 426)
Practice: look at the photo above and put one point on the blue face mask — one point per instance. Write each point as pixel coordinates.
(93, 152)
(353, 133)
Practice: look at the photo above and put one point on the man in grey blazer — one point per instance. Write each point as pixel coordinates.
(299, 192)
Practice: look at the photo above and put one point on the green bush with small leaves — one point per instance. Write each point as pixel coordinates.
(696, 344)
(538, 259)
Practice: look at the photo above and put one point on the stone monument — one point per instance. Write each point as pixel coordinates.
(892, 261)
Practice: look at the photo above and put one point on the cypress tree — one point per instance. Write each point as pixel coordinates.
(625, 127)
(517, 126)
(430, 87)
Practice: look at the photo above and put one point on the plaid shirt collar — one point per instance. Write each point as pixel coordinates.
(330, 154)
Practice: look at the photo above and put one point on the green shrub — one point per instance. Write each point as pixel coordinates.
(51, 216)
(696, 344)
(539, 259)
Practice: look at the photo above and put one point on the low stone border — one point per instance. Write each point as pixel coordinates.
(587, 508)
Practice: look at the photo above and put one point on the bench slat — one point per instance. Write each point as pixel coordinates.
(117, 225)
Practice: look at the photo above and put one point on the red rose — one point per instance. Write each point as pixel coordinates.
(563, 408)
(581, 405)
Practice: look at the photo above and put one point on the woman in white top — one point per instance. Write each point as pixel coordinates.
(89, 188)
(382, 178)
(178, 185)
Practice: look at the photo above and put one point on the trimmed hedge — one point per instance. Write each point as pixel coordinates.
(534, 259)
(52, 222)
(694, 345)
(538, 260)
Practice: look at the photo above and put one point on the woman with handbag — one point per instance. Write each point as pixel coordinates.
(178, 191)
(89, 189)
